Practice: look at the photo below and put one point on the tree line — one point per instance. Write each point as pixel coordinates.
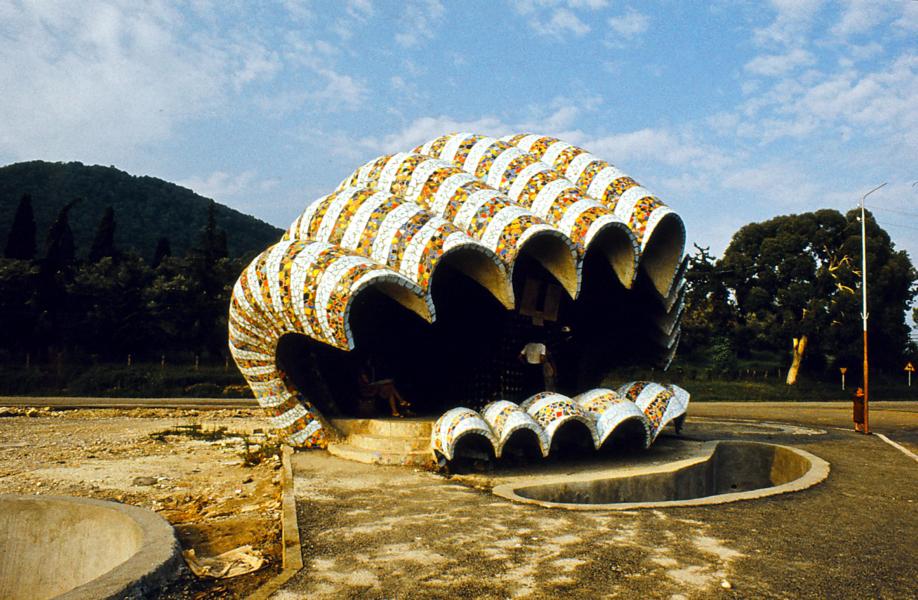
(785, 294)
(787, 291)
(113, 302)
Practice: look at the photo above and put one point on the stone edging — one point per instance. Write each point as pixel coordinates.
(157, 562)
(818, 472)
(292, 561)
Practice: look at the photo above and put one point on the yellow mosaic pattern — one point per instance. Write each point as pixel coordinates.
(391, 222)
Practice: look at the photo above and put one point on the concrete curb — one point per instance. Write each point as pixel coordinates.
(817, 473)
(292, 560)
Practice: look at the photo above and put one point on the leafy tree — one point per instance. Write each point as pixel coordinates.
(103, 244)
(708, 315)
(21, 241)
(19, 310)
(107, 313)
(794, 280)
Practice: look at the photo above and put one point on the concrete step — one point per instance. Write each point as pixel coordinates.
(414, 427)
(374, 457)
(385, 443)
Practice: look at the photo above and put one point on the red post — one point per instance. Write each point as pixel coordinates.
(866, 393)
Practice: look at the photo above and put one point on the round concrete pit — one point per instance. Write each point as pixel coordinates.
(726, 472)
(78, 548)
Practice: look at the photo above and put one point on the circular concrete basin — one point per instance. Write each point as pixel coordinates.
(726, 471)
(76, 548)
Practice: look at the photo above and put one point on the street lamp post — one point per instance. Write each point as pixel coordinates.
(864, 301)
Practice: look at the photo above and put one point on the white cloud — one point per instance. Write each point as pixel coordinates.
(329, 92)
(589, 4)
(559, 23)
(360, 9)
(420, 19)
(859, 16)
(257, 63)
(298, 10)
(629, 25)
(658, 145)
(783, 185)
(879, 104)
(792, 20)
(220, 185)
(558, 18)
(92, 80)
(770, 65)
(908, 21)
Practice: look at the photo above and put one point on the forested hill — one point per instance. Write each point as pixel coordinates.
(146, 208)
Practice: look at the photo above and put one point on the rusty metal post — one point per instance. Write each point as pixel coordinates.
(864, 298)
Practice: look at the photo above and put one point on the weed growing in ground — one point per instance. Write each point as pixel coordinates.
(194, 431)
(256, 447)
(255, 452)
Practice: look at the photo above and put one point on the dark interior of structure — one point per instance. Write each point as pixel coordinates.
(469, 355)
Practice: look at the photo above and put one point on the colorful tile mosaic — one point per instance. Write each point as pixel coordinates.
(602, 411)
(390, 223)
(506, 418)
(606, 184)
(660, 403)
(612, 410)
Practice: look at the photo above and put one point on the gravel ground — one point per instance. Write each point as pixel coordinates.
(214, 500)
(389, 532)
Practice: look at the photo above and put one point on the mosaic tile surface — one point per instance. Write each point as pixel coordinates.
(660, 403)
(602, 411)
(396, 218)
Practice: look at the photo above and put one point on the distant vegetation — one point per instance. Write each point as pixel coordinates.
(95, 309)
(146, 209)
(787, 293)
(64, 317)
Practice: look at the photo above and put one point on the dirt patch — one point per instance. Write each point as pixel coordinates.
(212, 474)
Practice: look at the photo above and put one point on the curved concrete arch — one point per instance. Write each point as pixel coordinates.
(551, 411)
(506, 418)
(659, 231)
(456, 424)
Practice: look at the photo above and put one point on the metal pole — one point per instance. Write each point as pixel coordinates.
(864, 300)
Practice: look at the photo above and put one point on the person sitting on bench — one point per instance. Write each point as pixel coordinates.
(372, 388)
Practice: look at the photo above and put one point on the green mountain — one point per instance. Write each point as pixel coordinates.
(146, 208)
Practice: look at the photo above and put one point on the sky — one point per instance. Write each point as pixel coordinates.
(730, 111)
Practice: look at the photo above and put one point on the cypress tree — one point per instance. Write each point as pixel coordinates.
(103, 244)
(163, 249)
(210, 240)
(21, 241)
(59, 249)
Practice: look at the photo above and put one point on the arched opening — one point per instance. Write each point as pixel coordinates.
(661, 256)
(571, 440)
(630, 435)
(470, 354)
(617, 244)
(322, 373)
(472, 452)
(521, 447)
(610, 326)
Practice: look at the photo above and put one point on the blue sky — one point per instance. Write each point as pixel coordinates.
(731, 111)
